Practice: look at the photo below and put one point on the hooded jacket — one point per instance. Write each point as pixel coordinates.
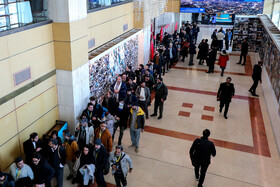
(223, 60)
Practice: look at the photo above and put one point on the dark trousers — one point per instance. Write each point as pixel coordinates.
(144, 106)
(158, 104)
(119, 178)
(227, 44)
(191, 59)
(211, 67)
(203, 168)
(223, 69)
(244, 58)
(184, 54)
(121, 133)
(100, 178)
(59, 176)
(226, 104)
(221, 43)
(254, 86)
(171, 62)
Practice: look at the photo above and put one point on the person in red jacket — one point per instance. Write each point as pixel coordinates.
(223, 61)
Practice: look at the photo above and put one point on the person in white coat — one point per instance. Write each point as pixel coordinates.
(83, 133)
(119, 162)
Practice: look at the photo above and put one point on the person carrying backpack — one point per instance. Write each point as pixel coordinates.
(101, 163)
(118, 161)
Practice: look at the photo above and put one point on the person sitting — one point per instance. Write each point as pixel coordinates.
(21, 172)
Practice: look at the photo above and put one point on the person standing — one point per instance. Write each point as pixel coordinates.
(225, 93)
(104, 135)
(57, 160)
(220, 38)
(83, 133)
(43, 172)
(244, 52)
(200, 154)
(185, 48)
(71, 149)
(192, 52)
(119, 161)
(100, 157)
(137, 125)
(256, 76)
(227, 39)
(31, 146)
(119, 89)
(211, 60)
(203, 51)
(160, 97)
(223, 61)
(195, 31)
(21, 171)
(143, 94)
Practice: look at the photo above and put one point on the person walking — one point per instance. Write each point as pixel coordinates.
(256, 76)
(143, 94)
(160, 97)
(225, 93)
(119, 161)
(137, 125)
(192, 52)
(100, 157)
(57, 160)
(244, 52)
(200, 154)
(223, 61)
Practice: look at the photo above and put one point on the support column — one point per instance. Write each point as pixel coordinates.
(71, 57)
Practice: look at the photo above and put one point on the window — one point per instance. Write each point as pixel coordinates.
(18, 13)
(92, 4)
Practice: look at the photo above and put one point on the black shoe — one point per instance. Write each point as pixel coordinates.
(250, 91)
(159, 117)
(182, 60)
(147, 117)
(220, 110)
(238, 63)
(225, 116)
(191, 64)
(69, 177)
(153, 115)
(207, 72)
(222, 75)
(243, 64)
(253, 94)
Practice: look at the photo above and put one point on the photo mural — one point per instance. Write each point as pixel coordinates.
(270, 55)
(104, 71)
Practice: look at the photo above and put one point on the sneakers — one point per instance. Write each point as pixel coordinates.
(136, 149)
(153, 115)
(159, 117)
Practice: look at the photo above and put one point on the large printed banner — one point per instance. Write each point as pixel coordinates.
(239, 7)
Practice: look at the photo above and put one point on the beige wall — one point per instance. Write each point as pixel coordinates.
(173, 6)
(36, 109)
(107, 24)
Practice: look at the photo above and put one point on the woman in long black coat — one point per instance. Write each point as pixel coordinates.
(203, 51)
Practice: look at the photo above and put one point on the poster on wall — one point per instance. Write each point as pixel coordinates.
(239, 7)
(104, 71)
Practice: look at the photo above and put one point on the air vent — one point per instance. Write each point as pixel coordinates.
(22, 76)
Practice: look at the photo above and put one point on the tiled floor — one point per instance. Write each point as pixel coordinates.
(246, 152)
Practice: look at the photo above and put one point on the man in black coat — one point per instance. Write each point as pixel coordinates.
(256, 76)
(130, 73)
(160, 97)
(100, 156)
(57, 160)
(212, 55)
(200, 154)
(31, 146)
(43, 172)
(119, 89)
(244, 52)
(225, 93)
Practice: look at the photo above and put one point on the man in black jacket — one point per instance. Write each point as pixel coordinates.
(212, 55)
(244, 51)
(43, 172)
(100, 157)
(200, 153)
(31, 146)
(225, 93)
(57, 160)
(6, 180)
(160, 97)
(256, 76)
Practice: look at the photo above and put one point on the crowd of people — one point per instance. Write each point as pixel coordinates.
(88, 152)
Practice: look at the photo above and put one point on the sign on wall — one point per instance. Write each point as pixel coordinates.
(239, 7)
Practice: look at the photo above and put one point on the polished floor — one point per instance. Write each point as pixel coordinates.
(246, 151)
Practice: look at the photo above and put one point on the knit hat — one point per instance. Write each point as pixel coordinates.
(97, 142)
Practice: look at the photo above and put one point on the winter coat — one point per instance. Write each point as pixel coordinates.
(106, 139)
(89, 133)
(147, 93)
(88, 173)
(43, 172)
(192, 49)
(223, 60)
(126, 160)
(226, 92)
(161, 92)
(140, 120)
(71, 149)
(203, 51)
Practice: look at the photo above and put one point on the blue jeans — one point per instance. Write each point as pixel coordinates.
(135, 136)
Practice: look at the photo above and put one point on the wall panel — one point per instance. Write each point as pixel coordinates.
(9, 151)
(5, 78)
(8, 126)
